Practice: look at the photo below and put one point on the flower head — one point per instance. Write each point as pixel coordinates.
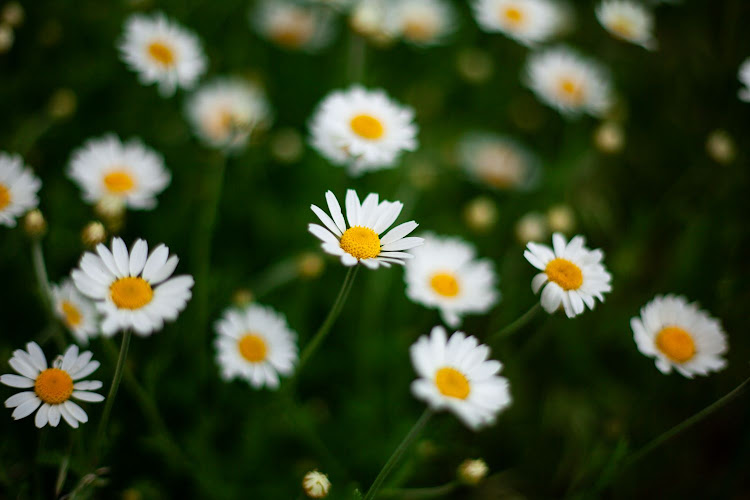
(316, 484)
(75, 311)
(420, 22)
(52, 388)
(628, 20)
(455, 374)
(132, 290)
(527, 21)
(293, 25)
(679, 335)
(472, 471)
(18, 189)
(497, 161)
(571, 274)
(363, 242)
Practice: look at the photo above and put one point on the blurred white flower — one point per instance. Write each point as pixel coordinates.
(162, 52)
(628, 20)
(76, 312)
(744, 76)
(362, 129)
(293, 25)
(316, 484)
(455, 374)
(497, 161)
(421, 22)
(18, 189)
(527, 21)
(679, 335)
(362, 242)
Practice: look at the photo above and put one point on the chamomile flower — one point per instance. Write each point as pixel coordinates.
(76, 312)
(527, 21)
(118, 173)
(293, 25)
(18, 189)
(744, 77)
(224, 112)
(52, 388)
(445, 274)
(362, 242)
(421, 22)
(131, 290)
(362, 129)
(256, 344)
(162, 52)
(497, 161)
(572, 274)
(679, 335)
(628, 20)
(455, 374)
(568, 82)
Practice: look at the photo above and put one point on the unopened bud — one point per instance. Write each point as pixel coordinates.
(6, 38)
(93, 234)
(12, 14)
(531, 227)
(316, 484)
(481, 214)
(34, 224)
(561, 219)
(472, 472)
(310, 265)
(720, 147)
(62, 104)
(242, 297)
(609, 137)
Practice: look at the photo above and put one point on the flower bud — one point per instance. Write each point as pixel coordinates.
(6, 38)
(316, 484)
(609, 138)
(310, 265)
(720, 147)
(34, 224)
(481, 214)
(62, 104)
(287, 145)
(12, 14)
(93, 234)
(472, 471)
(242, 297)
(531, 227)
(561, 219)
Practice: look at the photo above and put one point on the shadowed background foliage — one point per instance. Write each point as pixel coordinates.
(669, 217)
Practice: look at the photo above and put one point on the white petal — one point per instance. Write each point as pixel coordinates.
(92, 397)
(41, 416)
(16, 381)
(53, 416)
(335, 209)
(138, 257)
(27, 408)
(120, 253)
(352, 208)
(326, 220)
(398, 232)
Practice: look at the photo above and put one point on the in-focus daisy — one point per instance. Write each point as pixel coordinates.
(497, 161)
(76, 312)
(362, 129)
(445, 274)
(225, 111)
(51, 389)
(162, 52)
(120, 173)
(628, 20)
(131, 289)
(526, 21)
(293, 25)
(421, 22)
(572, 274)
(679, 335)
(455, 374)
(18, 189)
(568, 82)
(744, 76)
(256, 344)
(362, 241)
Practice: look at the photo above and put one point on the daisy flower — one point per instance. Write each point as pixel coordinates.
(121, 174)
(629, 21)
(362, 241)
(362, 129)
(18, 189)
(679, 335)
(53, 387)
(132, 290)
(527, 21)
(421, 22)
(256, 344)
(574, 274)
(293, 25)
(445, 274)
(162, 52)
(76, 312)
(497, 161)
(744, 76)
(568, 82)
(455, 374)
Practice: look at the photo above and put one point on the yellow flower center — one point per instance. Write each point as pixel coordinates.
(444, 284)
(4, 196)
(367, 127)
(564, 273)
(71, 315)
(570, 91)
(452, 383)
(161, 53)
(131, 293)
(53, 386)
(253, 348)
(513, 15)
(676, 344)
(119, 182)
(623, 27)
(360, 242)
(419, 30)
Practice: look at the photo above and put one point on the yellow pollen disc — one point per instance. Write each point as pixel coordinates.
(53, 386)
(452, 383)
(119, 182)
(676, 344)
(72, 316)
(360, 242)
(289, 36)
(444, 284)
(4, 196)
(131, 293)
(622, 26)
(161, 53)
(253, 348)
(513, 15)
(564, 273)
(571, 91)
(367, 127)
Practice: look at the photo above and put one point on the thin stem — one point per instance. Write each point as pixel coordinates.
(516, 325)
(40, 272)
(357, 54)
(398, 453)
(431, 492)
(112, 390)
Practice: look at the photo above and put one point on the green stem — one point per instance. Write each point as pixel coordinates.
(357, 54)
(112, 391)
(40, 272)
(398, 453)
(431, 492)
(516, 325)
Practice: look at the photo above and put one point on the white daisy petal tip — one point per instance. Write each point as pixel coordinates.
(18, 189)
(629, 21)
